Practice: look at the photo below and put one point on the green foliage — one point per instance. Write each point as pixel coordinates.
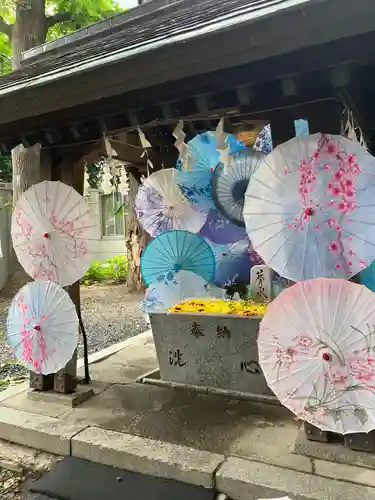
(114, 269)
(5, 59)
(5, 168)
(95, 173)
(83, 13)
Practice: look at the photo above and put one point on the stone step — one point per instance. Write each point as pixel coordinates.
(247, 480)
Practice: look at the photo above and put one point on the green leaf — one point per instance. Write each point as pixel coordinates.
(113, 269)
(84, 13)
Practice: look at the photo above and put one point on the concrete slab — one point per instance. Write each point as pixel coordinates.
(52, 408)
(344, 472)
(332, 452)
(136, 357)
(37, 431)
(200, 421)
(96, 357)
(51, 403)
(13, 390)
(147, 456)
(246, 480)
(80, 395)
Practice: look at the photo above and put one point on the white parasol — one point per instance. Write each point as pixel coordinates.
(317, 351)
(42, 327)
(310, 208)
(161, 206)
(53, 232)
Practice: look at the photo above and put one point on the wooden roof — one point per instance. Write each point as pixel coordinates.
(177, 23)
(187, 49)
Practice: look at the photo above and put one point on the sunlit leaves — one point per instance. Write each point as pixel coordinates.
(84, 12)
(5, 168)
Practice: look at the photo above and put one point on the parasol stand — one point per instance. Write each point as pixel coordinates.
(82, 329)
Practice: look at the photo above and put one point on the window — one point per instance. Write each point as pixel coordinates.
(114, 214)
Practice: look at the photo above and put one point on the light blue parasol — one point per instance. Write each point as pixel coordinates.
(175, 251)
(203, 159)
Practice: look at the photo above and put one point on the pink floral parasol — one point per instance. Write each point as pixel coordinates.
(310, 208)
(42, 327)
(317, 351)
(53, 232)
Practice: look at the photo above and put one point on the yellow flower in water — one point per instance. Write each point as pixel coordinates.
(218, 306)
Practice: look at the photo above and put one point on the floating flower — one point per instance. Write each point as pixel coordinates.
(246, 308)
(334, 246)
(332, 147)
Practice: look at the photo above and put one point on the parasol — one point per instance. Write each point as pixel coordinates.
(54, 234)
(228, 188)
(317, 351)
(42, 327)
(219, 229)
(233, 263)
(163, 294)
(175, 251)
(310, 206)
(367, 277)
(161, 206)
(263, 142)
(203, 158)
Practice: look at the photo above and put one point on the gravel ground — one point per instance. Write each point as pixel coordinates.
(12, 484)
(110, 315)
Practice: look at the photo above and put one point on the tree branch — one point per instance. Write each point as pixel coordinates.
(60, 17)
(5, 27)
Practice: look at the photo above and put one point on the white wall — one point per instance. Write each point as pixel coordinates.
(108, 246)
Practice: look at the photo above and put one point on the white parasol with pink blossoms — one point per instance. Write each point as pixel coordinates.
(42, 327)
(310, 208)
(317, 351)
(53, 233)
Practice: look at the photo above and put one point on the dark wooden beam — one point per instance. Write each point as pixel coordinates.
(27, 111)
(266, 97)
(325, 117)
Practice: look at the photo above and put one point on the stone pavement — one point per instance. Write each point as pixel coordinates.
(244, 449)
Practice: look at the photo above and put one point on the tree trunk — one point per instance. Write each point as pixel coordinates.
(29, 30)
(137, 238)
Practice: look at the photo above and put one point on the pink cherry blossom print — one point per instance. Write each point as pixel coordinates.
(42, 327)
(327, 196)
(54, 233)
(317, 353)
(303, 341)
(362, 367)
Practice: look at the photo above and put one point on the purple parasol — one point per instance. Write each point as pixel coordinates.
(219, 229)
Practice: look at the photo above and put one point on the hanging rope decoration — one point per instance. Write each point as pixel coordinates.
(222, 145)
(145, 145)
(123, 180)
(351, 129)
(86, 183)
(181, 146)
(107, 175)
